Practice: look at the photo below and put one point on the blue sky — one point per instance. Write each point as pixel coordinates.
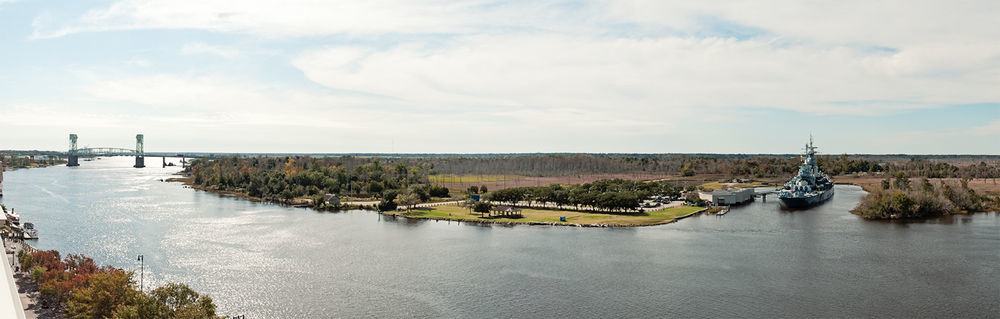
(501, 76)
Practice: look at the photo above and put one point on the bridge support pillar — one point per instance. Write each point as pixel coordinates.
(73, 159)
(140, 156)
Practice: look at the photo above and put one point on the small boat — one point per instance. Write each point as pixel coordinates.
(29, 231)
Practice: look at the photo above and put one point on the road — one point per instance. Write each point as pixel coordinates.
(369, 203)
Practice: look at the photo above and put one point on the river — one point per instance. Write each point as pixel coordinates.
(271, 261)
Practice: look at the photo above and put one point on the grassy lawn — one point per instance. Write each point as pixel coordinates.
(455, 212)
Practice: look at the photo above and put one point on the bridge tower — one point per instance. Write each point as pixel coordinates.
(73, 158)
(140, 157)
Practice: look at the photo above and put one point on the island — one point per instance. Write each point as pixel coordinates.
(586, 189)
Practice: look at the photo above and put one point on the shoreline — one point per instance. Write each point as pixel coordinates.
(866, 188)
(396, 214)
(910, 220)
(189, 182)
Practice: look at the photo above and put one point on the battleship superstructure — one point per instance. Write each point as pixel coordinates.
(810, 187)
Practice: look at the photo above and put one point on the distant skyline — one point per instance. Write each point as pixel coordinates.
(887, 77)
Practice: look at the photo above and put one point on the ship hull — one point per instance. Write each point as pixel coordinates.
(807, 202)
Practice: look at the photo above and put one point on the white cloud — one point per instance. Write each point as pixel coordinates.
(139, 62)
(271, 18)
(642, 76)
(203, 48)
(852, 57)
(630, 67)
(891, 23)
(54, 115)
(991, 129)
(209, 100)
(216, 107)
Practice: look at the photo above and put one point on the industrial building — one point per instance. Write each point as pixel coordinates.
(728, 196)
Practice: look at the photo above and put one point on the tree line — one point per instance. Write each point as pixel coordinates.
(285, 178)
(288, 177)
(29, 161)
(609, 195)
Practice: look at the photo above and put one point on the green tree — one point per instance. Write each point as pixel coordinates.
(902, 181)
(183, 302)
(927, 186)
(693, 198)
(473, 190)
(407, 199)
(105, 293)
(170, 301)
(388, 201)
(438, 191)
(141, 306)
(287, 195)
(482, 207)
(482, 189)
(687, 170)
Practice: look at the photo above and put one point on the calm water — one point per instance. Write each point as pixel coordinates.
(269, 261)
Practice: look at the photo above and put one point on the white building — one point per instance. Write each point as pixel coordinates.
(728, 196)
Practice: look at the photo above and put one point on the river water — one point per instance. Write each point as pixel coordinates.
(270, 261)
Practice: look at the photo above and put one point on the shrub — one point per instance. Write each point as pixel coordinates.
(899, 204)
(438, 191)
(388, 201)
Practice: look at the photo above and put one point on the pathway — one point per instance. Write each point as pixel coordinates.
(12, 303)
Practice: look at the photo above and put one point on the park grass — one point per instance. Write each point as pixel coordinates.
(470, 178)
(532, 215)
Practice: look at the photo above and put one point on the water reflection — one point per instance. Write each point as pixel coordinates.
(272, 261)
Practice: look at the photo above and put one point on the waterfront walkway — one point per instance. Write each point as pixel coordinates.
(11, 302)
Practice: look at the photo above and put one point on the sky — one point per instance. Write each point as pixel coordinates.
(480, 76)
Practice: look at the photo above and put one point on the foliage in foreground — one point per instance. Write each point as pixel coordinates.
(85, 290)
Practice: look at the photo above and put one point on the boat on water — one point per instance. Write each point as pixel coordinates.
(810, 186)
(13, 217)
(29, 231)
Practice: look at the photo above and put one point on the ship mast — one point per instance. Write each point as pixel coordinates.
(810, 149)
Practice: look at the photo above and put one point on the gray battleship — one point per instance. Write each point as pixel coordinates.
(810, 187)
